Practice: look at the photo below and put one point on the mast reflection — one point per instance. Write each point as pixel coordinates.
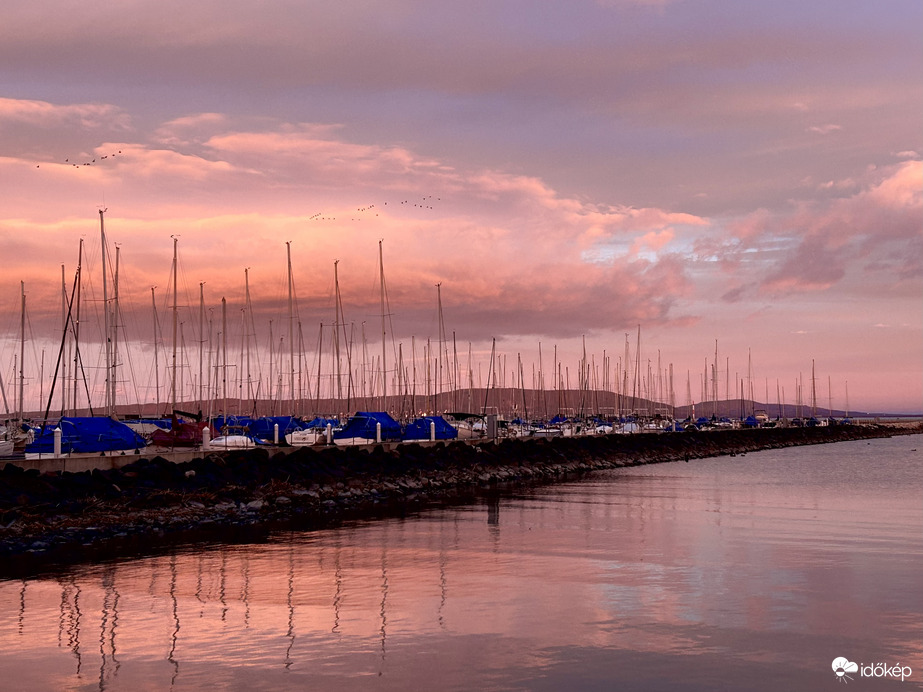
(174, 636)
(290, 634)
(109, 617)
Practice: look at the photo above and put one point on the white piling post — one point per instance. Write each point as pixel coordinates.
(377, 432)
(432, 431)
(57, 442)
(275, 434)
(329, 434)
(206, 438)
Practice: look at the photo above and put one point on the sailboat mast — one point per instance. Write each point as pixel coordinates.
(304, 379)
(336, 329)
(522, 389)
(272, 409)
(750, 379)
(470, 380)
(441, 344)
(384, 335)
(541, 380)
(22, 351)
(77, 324)
(401, 382)
(813, 391)
(224, 356)
(156, 358)
(413, 360)
(320, 350)
(291, 327)
(106, 335)
(115, 323)
(638, 366)
(64, 338)
(201, 343)
(173, 361)
(689, 397)
(454, 373)
(248, 311)
(672, 396)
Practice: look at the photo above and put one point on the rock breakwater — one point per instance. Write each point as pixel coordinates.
(65, 517)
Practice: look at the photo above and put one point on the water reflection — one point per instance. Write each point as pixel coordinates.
(174, 635)
(678, 574)
(290, 634)
(338, 593)
(22, 605)
(109, 620)
(384, 607)
(69, 623)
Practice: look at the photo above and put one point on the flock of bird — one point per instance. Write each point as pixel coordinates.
(319, 216)
(87, 163)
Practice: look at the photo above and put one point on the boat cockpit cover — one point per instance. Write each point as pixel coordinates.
(87, 435)
(364, 423)
(419, 429)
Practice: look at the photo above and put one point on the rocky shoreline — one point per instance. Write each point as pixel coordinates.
(62, 518)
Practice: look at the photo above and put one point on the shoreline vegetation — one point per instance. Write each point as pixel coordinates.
(58, 519)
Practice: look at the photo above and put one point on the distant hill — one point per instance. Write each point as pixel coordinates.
(505, 401)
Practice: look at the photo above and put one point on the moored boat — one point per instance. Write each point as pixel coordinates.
(86, 435)
(368, 427)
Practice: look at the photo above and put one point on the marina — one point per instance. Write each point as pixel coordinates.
(750, 572)
(353, 400)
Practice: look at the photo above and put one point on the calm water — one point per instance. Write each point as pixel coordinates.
(752, 572)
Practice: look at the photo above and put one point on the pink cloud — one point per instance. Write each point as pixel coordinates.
(508, 248)
(752, 225)
(812, 248)
(824, 129)
(654, 240)
(47, 115)
(902, 190)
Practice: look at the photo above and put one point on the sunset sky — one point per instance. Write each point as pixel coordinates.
(740, 172)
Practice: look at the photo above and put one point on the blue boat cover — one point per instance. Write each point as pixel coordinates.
(264, 427)
(321, 422)
(222, 422)
(363, 425)
(419, 429)
(87, 435)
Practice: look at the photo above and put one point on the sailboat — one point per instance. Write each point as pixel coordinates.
(16, 437)
(98, 435)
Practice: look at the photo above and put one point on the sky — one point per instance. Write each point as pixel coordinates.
(744, 176)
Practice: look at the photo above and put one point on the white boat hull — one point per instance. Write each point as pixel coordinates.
(347, 441)
(231, 442)
(306, 438)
